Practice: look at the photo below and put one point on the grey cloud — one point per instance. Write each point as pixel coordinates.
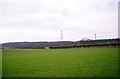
(45, 18)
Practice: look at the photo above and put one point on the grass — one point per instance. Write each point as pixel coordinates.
(75, 62)
(0, 63)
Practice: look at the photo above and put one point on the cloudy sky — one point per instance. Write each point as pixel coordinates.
(43, 20)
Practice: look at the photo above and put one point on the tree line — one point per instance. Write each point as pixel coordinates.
(63, 44)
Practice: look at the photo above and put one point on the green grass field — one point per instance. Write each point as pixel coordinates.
(76, 62)
(0, 63)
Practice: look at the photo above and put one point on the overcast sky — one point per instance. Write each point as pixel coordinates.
(43, 20)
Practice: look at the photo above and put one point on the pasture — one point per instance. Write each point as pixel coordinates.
(74, 62)
(0, 63)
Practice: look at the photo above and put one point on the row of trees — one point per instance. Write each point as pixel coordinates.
(63, 44)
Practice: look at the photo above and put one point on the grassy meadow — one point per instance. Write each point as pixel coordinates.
(74, 62)
(0, 63)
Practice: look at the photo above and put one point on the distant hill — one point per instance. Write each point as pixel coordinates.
(41, 45)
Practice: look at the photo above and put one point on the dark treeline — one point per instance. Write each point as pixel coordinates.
(62, 44)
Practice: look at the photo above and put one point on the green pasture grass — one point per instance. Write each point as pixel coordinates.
(74, 62)
(0, 62)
